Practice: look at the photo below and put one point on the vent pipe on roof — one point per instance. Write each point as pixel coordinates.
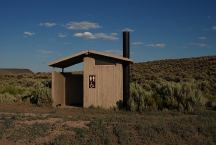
(126, 44)
(126, 69)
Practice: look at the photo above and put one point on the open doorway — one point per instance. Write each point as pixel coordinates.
(74, 85)
(73, 89)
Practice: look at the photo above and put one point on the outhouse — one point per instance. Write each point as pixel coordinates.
(99, 85)
(104, 81)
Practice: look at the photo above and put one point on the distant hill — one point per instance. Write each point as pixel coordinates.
(15, 71)
(175, 69)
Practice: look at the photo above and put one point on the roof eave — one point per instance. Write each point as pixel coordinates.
(79, 58)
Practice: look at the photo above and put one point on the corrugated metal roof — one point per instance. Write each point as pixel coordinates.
(77, 58)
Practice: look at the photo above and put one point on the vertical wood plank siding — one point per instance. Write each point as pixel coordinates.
(109, 84)
(58, 89)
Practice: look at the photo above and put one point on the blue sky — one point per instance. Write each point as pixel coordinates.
(35, 32)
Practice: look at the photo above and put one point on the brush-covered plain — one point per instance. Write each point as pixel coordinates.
(172, 102)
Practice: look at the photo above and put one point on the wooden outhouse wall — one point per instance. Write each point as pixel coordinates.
(58, 89)
(109, 84)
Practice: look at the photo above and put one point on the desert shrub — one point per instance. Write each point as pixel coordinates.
(9, 93)
(47, 83)
(7, 98)
(13, 90)
(132, 104)
(140, 99)
(201, 70)
(182, 96)
(41, 95)
(164, 94)
(26, 88)
(189, 96)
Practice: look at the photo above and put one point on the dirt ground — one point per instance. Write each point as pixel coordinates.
(24, 124)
